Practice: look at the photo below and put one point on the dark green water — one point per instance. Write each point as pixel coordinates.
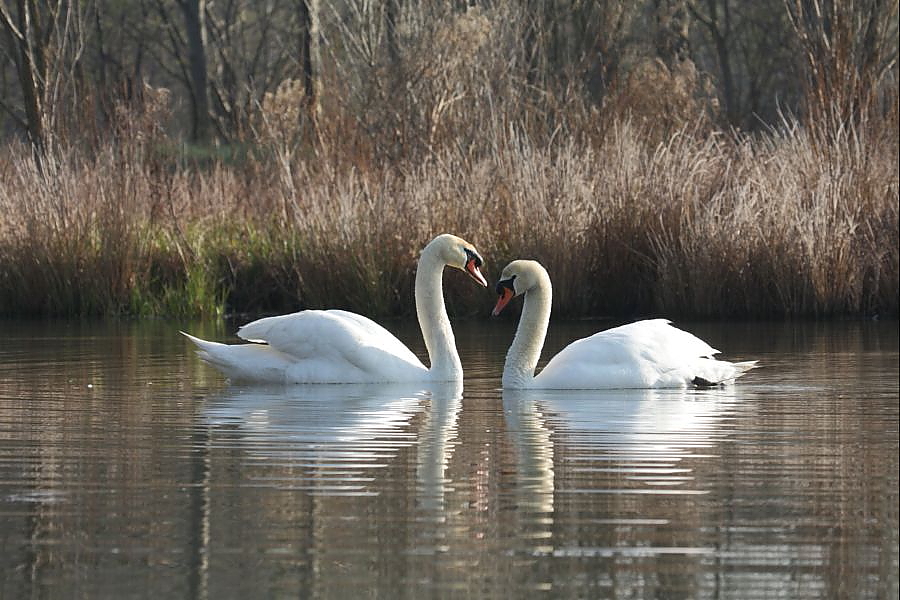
(129, 469)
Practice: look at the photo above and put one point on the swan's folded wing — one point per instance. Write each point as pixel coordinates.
(641, 354)
(596, 362)
(336, 337)
(661, 340)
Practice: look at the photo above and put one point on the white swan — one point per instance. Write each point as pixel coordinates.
(645, 354)
(336, 346)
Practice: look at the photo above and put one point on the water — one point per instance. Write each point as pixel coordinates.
(129, 469)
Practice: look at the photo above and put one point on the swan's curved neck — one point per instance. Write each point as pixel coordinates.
(523, 355)
(433, 319)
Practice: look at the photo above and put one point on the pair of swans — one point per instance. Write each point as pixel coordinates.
(336, 346)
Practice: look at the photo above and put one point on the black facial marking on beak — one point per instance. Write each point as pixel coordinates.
(473, 257)
(506, 283)
(505, 293)
(473, 267)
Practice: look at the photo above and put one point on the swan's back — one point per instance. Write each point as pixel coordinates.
(312, 333)
(644, 354)
(315, 346)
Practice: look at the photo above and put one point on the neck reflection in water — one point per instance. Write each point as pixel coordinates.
(331, 437)
(639, 435)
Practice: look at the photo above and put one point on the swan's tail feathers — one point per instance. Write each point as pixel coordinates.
(743, 367)
(210, 352)
(736, 370)
(244, 362)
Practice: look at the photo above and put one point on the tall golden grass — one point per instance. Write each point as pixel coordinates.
(698, 224)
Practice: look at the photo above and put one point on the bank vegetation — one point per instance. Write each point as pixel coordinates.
(650, 175)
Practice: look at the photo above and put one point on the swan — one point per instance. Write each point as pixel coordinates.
(644, 354)
(337, 346)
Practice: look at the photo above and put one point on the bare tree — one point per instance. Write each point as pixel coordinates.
(229, 54)
(185, 48)
(118, 55)
(716, 18)
(194, 12)
(671, 35)
(578, 40)
(310, 58)
(44, 43)
(849, 47)
(747, 48)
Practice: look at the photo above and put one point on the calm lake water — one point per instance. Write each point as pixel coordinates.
(130, 469)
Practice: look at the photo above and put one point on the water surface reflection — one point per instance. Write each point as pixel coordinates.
(330, 439)
(641, 434)
(129, 469)
(619, 451)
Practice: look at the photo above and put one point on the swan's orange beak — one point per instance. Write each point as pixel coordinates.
(506, 294)
(472, 268)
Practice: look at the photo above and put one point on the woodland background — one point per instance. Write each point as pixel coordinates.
(709, 158)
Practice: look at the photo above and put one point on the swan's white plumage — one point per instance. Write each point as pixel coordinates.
(244, 362)
(644, 354)
(337, 346)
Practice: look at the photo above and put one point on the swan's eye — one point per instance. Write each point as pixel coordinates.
(506, 284)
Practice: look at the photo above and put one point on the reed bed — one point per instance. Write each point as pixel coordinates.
(700, 224)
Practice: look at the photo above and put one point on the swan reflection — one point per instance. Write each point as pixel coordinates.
(640, 436)
(329, 438)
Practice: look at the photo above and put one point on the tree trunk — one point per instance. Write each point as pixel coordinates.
(194, 28)
(391, 14)
(309, 57)
(671, 31)
(25, 45)
(720, 30)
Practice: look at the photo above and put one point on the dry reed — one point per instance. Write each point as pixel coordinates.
(700, 224)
